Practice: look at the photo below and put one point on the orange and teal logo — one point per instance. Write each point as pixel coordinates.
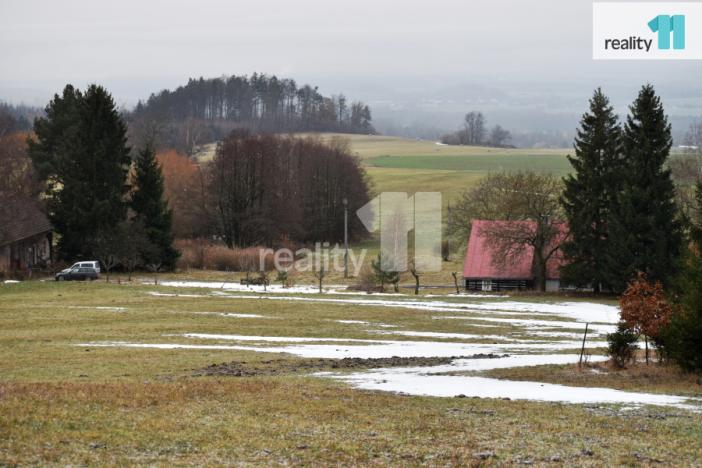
(667, 26)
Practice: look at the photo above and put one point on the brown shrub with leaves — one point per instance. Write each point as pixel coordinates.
(644, 307)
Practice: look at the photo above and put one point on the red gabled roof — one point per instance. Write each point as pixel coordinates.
(479, 265)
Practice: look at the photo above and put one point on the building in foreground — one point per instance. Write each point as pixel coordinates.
(25, 237)
(482, 273)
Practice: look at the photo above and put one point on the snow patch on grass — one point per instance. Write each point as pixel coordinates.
(109, 308)
(231, 314)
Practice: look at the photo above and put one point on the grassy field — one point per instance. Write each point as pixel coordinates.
(63, 401)
(372, 146)
(479, 163)
(407, 165)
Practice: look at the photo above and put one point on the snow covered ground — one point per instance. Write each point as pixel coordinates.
(337, 289)
(544, 333)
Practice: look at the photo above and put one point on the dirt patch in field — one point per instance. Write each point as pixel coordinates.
(296, 366)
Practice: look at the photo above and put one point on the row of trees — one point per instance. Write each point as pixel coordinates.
(96, 195)
(475, 132)
(205, 110)
(265, 189)
(17, 117)
(620, 200)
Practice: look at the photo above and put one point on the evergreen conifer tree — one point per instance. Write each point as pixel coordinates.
(645, 234)
(81, 152)
(151, 210)
(589, 193)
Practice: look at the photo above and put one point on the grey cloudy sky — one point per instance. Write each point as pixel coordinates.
(367, 49)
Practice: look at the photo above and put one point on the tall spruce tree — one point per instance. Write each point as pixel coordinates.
(644, 231)
(151, 210)
(589, 193)
(81, 151)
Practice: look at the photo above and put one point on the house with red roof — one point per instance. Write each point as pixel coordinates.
(482, 273)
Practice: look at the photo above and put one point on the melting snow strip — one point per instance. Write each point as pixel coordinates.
(580, 311)
(309, 289)
(534, 323)
(425, 381)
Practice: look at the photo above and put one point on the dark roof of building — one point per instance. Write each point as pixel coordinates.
(21, 218)
(479, 254)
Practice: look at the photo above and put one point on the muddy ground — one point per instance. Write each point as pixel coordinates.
(297, 366)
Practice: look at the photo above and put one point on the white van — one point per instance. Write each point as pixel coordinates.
(89, 264)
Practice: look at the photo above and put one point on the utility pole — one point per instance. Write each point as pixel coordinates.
(346, 237)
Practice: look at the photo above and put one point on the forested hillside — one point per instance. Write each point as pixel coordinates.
(205, 110)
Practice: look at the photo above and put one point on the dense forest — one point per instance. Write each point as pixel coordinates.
(205, 110)
(17, 117)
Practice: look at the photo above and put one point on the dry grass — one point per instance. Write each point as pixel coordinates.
(60, 404)
(305, 421)
(204, 254)
(641, 377)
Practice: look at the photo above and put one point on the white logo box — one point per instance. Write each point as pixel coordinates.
(624, 21)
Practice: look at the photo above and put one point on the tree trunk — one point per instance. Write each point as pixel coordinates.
(539, 272)
(416, 282)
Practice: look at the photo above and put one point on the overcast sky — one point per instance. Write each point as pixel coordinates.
(361, 47)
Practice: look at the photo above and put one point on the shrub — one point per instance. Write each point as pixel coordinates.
(384, 277)
(367, 281)
(622, 345)
(646, 310)
(683, 337)
(644, 307)
(192, 252)
(282, 277)
(200, 253)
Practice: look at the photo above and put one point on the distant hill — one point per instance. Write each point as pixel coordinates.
(204, 110)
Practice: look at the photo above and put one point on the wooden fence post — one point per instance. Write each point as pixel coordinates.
(582, 350)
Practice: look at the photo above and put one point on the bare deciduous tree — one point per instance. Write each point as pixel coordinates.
(534, 199)
(268, 188)
(490, 198)
(18, 176)
(499, 137)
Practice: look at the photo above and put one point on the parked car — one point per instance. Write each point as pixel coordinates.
(87, 264)
(77, 274)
